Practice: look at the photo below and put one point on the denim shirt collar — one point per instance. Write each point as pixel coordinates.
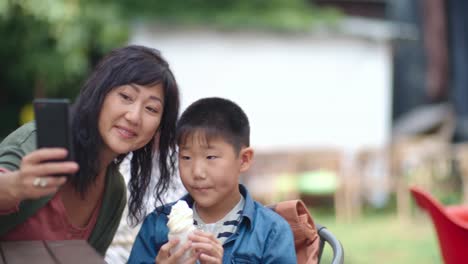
(247, 213)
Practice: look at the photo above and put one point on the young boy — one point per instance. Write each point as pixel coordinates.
(214, 149)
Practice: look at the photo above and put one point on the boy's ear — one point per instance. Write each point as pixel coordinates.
(246, 158)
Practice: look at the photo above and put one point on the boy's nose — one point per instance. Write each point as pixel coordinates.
(198, 171)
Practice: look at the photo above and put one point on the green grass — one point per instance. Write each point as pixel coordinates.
(381, 238)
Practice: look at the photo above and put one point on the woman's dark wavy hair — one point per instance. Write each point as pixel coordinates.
(142, 66)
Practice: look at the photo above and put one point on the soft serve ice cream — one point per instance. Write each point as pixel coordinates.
(180, 218)
(180, 225)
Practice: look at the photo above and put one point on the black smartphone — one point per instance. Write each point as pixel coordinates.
(52, 124)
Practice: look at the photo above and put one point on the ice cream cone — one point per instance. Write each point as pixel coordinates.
(180, 225)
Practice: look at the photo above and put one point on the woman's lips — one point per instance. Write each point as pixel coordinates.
(126, 133)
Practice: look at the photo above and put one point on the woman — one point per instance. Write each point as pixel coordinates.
(130, 103)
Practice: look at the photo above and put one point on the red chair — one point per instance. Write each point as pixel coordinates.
(451, 224)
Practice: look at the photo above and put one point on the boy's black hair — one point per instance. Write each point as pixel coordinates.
(215, 117)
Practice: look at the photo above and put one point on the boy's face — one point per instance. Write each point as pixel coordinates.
(210, 172)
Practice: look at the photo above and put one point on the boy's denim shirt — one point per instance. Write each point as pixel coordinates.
(261, 237)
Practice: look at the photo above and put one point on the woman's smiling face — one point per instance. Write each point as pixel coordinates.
(130, 116)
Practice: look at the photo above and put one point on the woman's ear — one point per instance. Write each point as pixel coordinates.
(246, 158)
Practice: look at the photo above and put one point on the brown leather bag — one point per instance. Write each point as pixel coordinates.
(306, 239)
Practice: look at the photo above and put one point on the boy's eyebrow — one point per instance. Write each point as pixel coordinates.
(137, 89)
(204, 146)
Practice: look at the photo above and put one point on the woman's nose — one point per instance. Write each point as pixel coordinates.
(133, 115)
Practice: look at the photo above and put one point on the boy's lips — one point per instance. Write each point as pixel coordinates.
(200, 188)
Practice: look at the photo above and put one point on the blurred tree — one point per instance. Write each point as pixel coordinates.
(284, 15)
(48, 47)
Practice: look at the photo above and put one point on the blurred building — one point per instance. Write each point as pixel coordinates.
(299, 90)
(313, 99)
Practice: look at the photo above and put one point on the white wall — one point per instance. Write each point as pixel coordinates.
(298, 91)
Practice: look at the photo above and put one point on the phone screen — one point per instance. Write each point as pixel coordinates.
(52, 124)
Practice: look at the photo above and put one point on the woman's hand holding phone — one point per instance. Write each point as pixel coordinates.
(35, 178)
